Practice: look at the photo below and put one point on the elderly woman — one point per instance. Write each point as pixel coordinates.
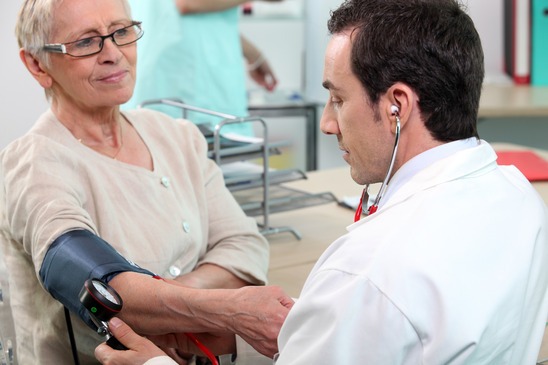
(123, 197)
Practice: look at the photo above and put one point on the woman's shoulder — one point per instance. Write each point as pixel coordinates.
(161, 126)
(43, 135)
(41, 151)
(145, 119)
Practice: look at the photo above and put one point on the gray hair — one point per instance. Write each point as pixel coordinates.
(35, 25)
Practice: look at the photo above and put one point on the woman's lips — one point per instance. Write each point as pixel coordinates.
(113, 77)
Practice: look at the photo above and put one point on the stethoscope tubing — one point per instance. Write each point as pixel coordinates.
(373, 208)
(384, 185)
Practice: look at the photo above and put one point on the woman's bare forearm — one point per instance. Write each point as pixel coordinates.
(209, 276)
(155, 307)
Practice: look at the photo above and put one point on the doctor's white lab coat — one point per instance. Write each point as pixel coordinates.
(452, 269)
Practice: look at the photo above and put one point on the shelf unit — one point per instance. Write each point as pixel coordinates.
(7, 330)
(258, 193)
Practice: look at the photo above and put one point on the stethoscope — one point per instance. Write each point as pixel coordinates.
(365, 194)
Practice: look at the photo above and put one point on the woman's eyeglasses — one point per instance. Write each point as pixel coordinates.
(93, 45)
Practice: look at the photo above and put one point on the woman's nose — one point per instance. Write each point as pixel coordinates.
(110, 51)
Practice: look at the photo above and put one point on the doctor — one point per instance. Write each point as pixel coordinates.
(451, 268)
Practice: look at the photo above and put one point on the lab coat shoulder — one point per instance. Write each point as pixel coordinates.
(338, 319)
(529, 198)
(161, 360)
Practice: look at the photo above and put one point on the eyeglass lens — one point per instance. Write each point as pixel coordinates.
(91, 45)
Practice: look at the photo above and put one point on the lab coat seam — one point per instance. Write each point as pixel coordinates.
(370, 281)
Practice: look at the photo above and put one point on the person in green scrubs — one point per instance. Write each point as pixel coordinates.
(192, 50)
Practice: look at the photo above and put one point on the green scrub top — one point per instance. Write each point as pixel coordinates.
(196, 58)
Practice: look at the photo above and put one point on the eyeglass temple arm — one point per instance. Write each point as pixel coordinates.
(56, 48)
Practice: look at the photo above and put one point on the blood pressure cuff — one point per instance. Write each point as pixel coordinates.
(73, 258)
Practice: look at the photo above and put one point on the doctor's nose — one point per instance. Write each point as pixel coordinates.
(328, 121)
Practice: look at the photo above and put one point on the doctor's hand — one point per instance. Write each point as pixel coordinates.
(140, 349)
(257, 314)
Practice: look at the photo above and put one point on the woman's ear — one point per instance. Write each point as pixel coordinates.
(36, 69)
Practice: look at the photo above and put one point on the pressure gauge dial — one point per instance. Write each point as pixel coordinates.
(103, 303)
(100, 300)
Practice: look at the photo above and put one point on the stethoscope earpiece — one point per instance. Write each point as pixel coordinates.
(395, 110)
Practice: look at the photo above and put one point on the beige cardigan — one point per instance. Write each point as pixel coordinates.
(169, 220)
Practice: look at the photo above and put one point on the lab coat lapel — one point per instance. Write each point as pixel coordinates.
(469, 162)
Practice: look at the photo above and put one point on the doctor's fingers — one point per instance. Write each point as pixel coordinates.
(260, 316)
(139, 348)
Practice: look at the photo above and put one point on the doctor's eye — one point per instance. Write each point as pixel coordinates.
(336, 102)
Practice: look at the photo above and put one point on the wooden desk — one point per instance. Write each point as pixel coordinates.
(291, 259)
(513, 101)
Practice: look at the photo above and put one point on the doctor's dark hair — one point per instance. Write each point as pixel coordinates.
(430, 45)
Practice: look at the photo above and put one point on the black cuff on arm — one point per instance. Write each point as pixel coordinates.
(73, 258)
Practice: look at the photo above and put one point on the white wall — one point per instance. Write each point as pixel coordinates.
(21, 98)
(281, 40)
(487, 15)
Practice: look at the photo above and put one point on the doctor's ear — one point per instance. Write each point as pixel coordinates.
(36, 68)
(399, 101)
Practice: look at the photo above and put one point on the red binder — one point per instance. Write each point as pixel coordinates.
(533, 166)
(517, 40)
